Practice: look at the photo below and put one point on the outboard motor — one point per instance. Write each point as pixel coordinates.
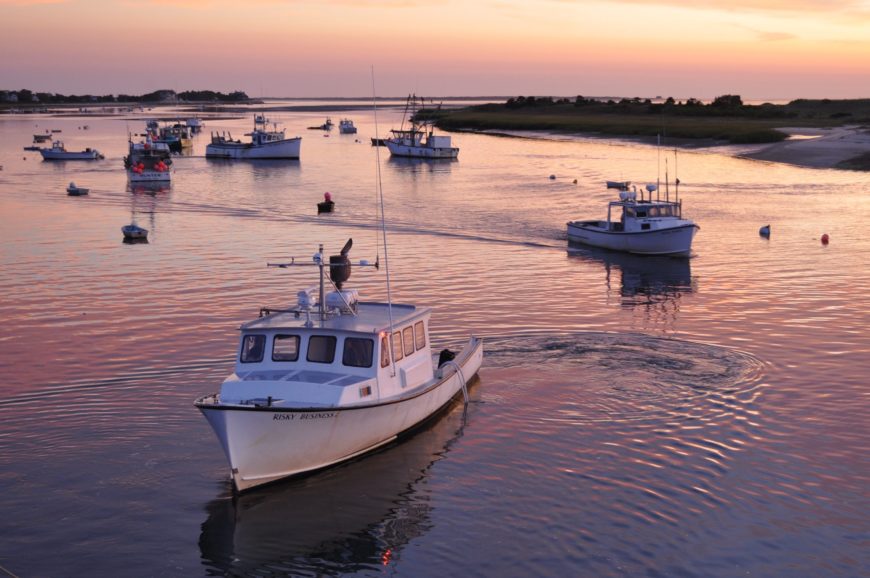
(445, 356)
(339, 265)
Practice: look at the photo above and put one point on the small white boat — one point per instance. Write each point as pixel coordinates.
(265, 144)
(419, 140)
(641, 226)
(195, 124)
(134, 232)
(327, 381)
(42, 137)
(58, 152)
(620, 185)
(345, 126)
(74, 191)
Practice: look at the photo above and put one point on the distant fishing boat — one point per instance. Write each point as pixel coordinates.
(345, 126)
(58, 152)
(265, 144)
(419, 140)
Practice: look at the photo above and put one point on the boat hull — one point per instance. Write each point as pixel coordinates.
(149, 176)
(284, 149)
(265, 444)
(421, 152)
(668, 241)
(50, 155)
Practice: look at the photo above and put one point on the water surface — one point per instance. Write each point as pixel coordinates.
(634, 416)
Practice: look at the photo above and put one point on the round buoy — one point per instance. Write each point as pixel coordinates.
(825, 239)
(764, 231)
(575, 181)
(552, 177)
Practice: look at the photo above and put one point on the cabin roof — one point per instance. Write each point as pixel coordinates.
(370, 318)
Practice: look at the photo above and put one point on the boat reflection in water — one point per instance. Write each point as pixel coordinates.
(644, 280)
(144, 198)
(348, 518)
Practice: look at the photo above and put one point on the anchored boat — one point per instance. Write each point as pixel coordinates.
(419, 140)
(58, 152)
(645, 226)
(265, 144)
(345, 126)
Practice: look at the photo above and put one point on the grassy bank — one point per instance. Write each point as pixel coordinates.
(729, 123)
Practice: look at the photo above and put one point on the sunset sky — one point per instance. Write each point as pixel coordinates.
(760, 49)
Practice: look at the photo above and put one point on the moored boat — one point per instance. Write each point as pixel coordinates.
(638, 225)
(329, 380)
(345, 126)
(148, 161)
(265, 144)
(134, 232)
(419, 139)
(58, 152)
(74, 191)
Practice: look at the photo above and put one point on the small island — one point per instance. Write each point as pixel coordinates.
(840, 127)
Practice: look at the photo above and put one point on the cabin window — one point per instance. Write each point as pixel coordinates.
(629, 211)
(397, 346)
(357, 352)
(645, 226)
(321, 348)
(408, 337)
(641, 213)
(285, 348)
(653, 212)
(385, 351)
(420, 335)
(253, 347)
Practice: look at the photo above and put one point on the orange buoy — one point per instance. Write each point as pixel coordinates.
(825, 239)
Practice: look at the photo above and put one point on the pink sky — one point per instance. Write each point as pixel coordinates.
(765, 49)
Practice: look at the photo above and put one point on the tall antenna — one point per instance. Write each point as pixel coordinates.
(658, 166)
(380, 196)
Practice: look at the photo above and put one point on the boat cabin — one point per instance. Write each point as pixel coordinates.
(295, 358)
(636, 215)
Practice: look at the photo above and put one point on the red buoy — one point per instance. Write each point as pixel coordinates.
(825, 239)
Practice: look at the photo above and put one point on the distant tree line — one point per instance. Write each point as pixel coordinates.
(730, 105)
(25, 96)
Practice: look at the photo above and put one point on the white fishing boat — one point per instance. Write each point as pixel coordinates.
(419, 139)
(644, 226)
(75, 191)
(265, 144)
(58, 152)
(345, 126)
(148, 162)
(329, 380)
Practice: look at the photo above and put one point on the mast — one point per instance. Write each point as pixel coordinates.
(380, 196)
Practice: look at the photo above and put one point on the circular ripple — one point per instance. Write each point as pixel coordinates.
(593, 377)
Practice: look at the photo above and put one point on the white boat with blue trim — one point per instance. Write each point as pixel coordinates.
(329, 380)
(643, 226)
(265, 143)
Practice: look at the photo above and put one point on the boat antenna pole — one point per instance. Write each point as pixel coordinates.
(380, 195)
(658, 165)
(676, 179)
(667, 189)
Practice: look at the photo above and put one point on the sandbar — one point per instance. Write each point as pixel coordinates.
(816, 147)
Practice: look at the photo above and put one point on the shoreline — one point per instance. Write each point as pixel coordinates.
(845, 147)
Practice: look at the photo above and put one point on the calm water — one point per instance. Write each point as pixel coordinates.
(634, 417)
